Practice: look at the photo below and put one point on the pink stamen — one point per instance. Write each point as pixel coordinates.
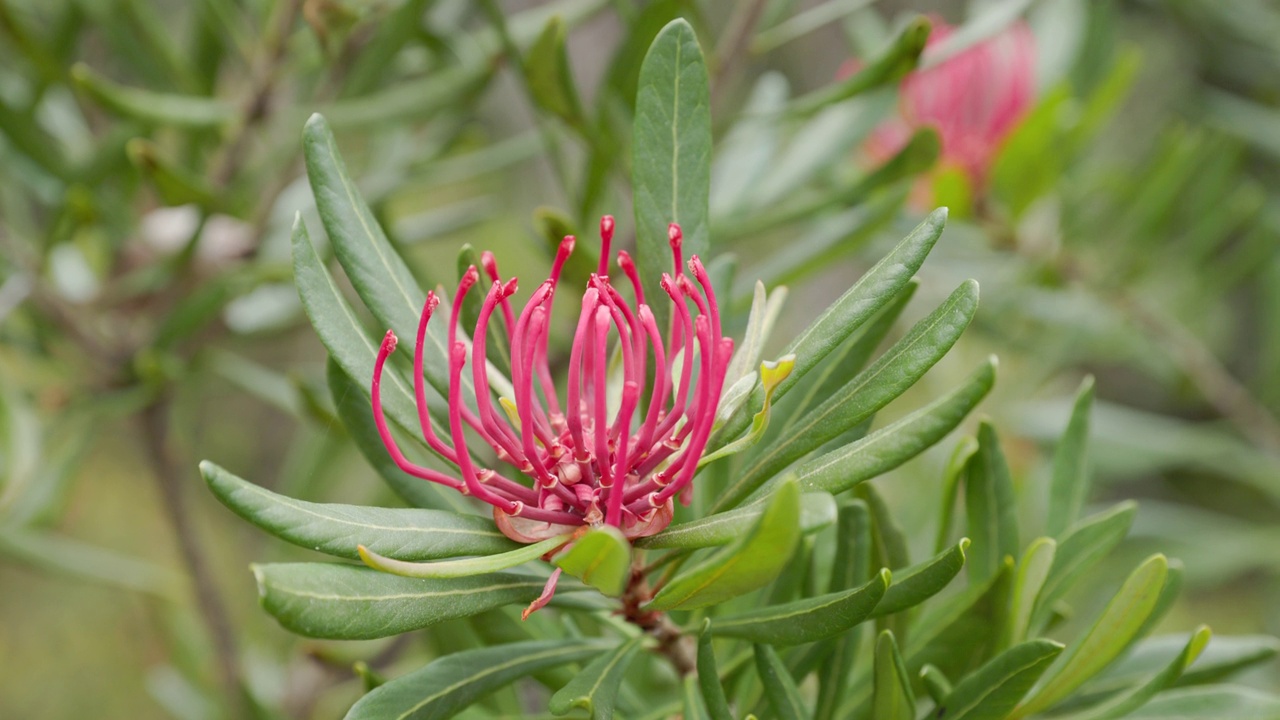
(419, 382)
(606, 237)
(379, 419)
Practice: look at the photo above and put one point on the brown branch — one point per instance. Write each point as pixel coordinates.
(154, 424)
(1216, 384)
(674, 645)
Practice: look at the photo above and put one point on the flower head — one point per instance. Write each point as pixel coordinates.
(611, 454)
(973, 99)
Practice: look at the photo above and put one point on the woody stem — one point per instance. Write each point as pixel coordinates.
(674, 645)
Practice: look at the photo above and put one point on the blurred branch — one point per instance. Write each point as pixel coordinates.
(1216, 384)
(733, 45)
(154, 424)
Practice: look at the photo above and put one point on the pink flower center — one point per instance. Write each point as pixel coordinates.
(615, 454)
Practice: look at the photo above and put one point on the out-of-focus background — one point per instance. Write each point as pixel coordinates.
(1125, 224)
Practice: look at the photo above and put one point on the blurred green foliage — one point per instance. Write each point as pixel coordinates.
(150, 172)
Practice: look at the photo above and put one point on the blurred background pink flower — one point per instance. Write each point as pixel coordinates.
(973, 98)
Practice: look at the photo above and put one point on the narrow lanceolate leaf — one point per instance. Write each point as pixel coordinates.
(1124, 703)
(993, 690)
(877, 288)
(601, 558)
(817, 510)
(406, 534)
(892, 445)
(596, 688)
(671, 156)
(990, 505)
(345, 602)
(1215, 702)
(751, 562)
(951, 478)
(935, 684)
(378, 274)
(713, 696)
(151, 107)
(1088, 541)
(779, 689)
(340, 330)
(1225, 656)
(454, 682)
(852, 564)
(1032, 571)
(891, 695)
(807, 620)
(1070, 485)
(550, 75)
(463, 567)
(693, 704)
(894, 63)
(920, 582)
(890, 376)
(1113, 631)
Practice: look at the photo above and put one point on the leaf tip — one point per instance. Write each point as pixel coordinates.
(963, 546)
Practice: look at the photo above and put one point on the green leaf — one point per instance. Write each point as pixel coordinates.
(175, 185)
(748, 563)
(378, 274)
(596, 688)
(807, 620)
(671, 153)
(187, 111)
(993, 690)
(452, 683)
(1032, 572)
(1087, 542)
(779, 688)
(345, 602)
(550, 76)
(1211, 703)
(888, 541)
(1070, 485)
(1122, 704)
(709, 677)
(1224, 656)
(920, 582)
(852, 564)
(1114, 630)
(990, 506)
(407, 534)
(892, 445)
(891, 375)
(891, 695)
(693, 705)
(464, 567)
(900, 58)
(872, 292)
(935, 684)
(340, 330)
(601, 558)
(955, 469)
(411, 101)
(817, 510)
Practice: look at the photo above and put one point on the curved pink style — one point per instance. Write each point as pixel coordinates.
(615, 454)
(973, 99)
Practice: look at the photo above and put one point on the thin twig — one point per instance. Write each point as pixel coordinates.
(733, 44)
(154, 423)
(1216, 384)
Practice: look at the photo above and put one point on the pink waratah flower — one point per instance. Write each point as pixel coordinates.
(974, 98)
(585, 465)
